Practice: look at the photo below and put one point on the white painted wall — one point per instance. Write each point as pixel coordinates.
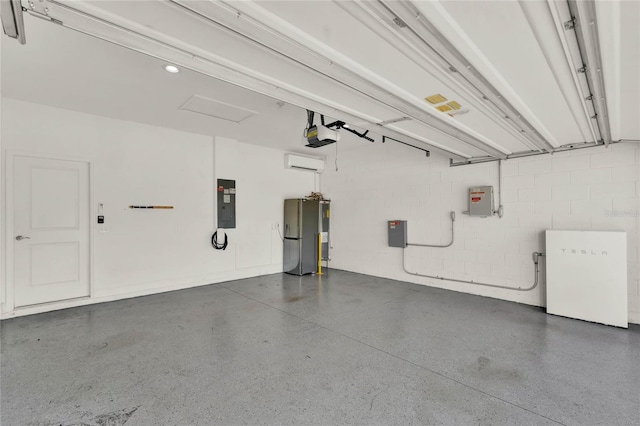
(2, 229)
(594, 188)
(262, 184)
(149, 251)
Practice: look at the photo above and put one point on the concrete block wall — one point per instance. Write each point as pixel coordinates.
(588, 189)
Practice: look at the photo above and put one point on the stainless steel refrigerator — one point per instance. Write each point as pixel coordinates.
(301, 220)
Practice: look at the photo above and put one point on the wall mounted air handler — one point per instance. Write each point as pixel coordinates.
(299, 162)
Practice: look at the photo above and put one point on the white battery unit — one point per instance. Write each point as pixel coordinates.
(481, 201)
(587, 276)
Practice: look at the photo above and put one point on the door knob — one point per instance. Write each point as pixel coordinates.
(20, 238)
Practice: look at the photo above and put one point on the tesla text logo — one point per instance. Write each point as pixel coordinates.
(586, 252)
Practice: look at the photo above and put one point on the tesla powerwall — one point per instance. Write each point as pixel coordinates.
(587, 276)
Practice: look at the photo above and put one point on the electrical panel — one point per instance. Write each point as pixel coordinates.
(397, 230)
(481, 201)
(226, 204)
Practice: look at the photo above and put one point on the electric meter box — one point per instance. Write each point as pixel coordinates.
(481, 201)
(397, 230)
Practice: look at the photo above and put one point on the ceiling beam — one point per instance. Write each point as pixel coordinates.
(264, 27)
(435, 44)
(12, 20)
(413, 48)
(88, 18)
(586, 29)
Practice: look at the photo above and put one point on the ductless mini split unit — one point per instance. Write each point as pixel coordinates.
(300, 162)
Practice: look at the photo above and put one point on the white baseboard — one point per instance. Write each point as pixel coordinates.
(143, 290)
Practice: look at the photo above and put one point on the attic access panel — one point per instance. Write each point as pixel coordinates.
(216, 109)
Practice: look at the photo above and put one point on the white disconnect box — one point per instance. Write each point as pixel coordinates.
(587, 276)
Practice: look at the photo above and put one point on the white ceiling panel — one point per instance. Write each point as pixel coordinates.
(331, 25)
(511, 66)
(52, 69)
(501, 39)
(619, 24)
(629, 70)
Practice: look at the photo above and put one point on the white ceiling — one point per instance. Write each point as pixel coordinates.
(345, 59)
(70, 70)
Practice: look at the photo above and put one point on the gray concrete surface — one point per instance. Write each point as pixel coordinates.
(344, 348)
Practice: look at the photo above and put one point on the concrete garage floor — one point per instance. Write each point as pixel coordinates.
(346, 348)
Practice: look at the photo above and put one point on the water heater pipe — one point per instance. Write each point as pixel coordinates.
(536, 256)
(452, 215)
(319, 255)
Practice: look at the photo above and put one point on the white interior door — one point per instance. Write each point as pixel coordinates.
(51, 230)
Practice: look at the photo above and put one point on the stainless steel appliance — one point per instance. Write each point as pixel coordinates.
(301, 228)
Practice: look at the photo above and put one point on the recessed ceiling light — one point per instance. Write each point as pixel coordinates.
(172, 69)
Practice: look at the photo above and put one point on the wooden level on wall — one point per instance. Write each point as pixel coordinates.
(150, 207)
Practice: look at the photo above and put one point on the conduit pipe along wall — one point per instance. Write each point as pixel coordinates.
(500, 210)
(535, 256)
(452, 215)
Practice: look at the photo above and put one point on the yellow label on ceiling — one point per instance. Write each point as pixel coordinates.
(444, 108)
(435, 99)
(454, 105)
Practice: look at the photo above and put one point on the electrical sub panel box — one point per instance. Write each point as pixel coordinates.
(481, 201)
(397, 233)
(226, 203)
